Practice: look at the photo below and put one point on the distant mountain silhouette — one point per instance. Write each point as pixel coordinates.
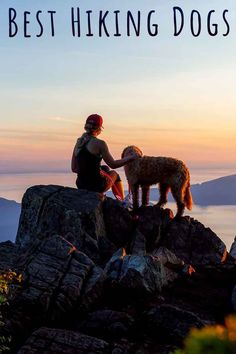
(220, 191)
(9, 218)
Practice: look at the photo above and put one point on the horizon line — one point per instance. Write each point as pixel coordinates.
(16, 172)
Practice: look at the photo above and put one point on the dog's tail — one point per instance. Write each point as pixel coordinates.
(188, 200)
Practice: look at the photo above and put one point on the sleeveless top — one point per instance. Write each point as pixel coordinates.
(89, 170)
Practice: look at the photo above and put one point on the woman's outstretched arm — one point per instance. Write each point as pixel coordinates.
(108, 158)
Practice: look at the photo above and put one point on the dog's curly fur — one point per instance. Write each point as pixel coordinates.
(170, 173)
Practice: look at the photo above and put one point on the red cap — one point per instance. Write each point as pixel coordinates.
(95, 119)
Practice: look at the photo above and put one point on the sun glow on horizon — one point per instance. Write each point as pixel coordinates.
(169, 96)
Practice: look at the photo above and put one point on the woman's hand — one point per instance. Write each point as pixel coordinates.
(107, 157)
(132, 156)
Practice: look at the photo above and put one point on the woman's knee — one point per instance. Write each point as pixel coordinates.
(115, 176)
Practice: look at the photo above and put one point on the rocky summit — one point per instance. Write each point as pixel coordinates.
(96, 279)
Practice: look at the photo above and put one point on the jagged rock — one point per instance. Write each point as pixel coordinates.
(143, 274)
(123, 347)
(171, 262)
(192, 242)
(168, 258)
(118, 222)
(106, 250)
(167, 321)
(173, 265)
(107, 323)
(120, 350)
(8, 254)
(234, 298)
(49, 210)
(232, 251)
(58, 282)
(152, 223)
(66, 234)
(58, 341)
(31, 210)
(138, 246)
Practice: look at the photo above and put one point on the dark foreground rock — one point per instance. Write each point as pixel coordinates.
(108, 322)
(60, 279)
(118, 223)
(8, 255)
(191, 241)
(97, 280)
(171, 322)
(143, 274)
(233, 249)
(234, 298)
(153, 223)
(57, 341)
(59, 282)
(50, 210)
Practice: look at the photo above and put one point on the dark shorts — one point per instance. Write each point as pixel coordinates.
(107, 179)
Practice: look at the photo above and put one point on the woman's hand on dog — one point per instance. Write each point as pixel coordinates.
(131, 157)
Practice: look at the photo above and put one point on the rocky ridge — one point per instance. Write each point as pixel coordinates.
(97, 281)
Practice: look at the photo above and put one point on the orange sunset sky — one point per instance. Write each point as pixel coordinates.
(170, 96)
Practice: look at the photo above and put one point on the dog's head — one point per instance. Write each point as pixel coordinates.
(131, 150)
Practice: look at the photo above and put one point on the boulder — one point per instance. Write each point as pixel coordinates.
(58, 282)
(138, 244)
(232, 251)
(118, 222)
(234, 298)
(168, 259)
(141, 302)
(152, 222)
(195, 244)
(50, 210)
(31, 211)
(142, 274)
(58, 341)
(107, 323)
(8, 255)
(174, 267)
(170, 322)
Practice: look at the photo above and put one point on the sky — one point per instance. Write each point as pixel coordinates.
(171, 96)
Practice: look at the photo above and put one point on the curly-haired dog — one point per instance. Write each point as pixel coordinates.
(170, 173)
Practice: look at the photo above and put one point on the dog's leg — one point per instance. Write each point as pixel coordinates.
(178, 196)
(135, 195)
(164, 189)
(180, 210)
(145, 195)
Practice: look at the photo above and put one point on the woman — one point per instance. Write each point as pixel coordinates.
(86, 161)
